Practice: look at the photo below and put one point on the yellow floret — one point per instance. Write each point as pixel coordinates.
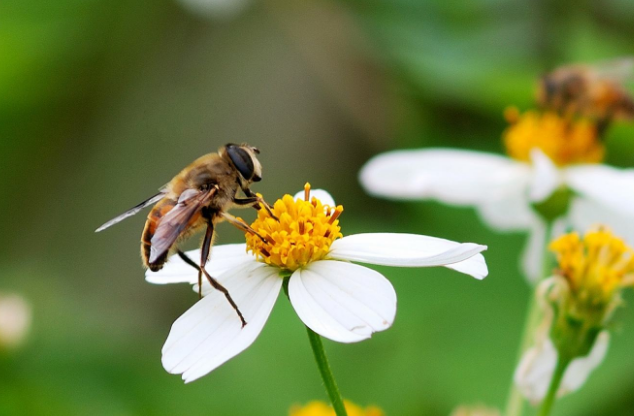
(303, 234)
(596, 265)
(564, 141)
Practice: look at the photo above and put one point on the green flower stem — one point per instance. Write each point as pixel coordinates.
(326, 372)
(551, 396)
(515, 400)
(322, 362)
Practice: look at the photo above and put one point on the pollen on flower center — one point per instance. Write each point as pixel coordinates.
(595, 265)
(564, 141)
(302, 232)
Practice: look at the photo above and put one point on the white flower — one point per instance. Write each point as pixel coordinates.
(337, 299)
(15, 320)
(215, 9)
(535, 370)
(503, 189)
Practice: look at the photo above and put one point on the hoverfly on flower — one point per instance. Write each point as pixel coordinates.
(305, 252)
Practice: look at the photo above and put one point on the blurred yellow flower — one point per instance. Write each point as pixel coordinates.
(317, 408)
(563, 140)
(578, 302)
(475, 411)
(595, 266)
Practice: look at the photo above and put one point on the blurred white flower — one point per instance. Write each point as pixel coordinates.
(215, 9)
(15, 320)
(335, 298)
(536, 368)
(552, 165)
(578, 303)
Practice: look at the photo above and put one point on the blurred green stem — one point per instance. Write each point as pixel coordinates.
(558, 375)
(515, 400)
(326, 373)
(322, 363)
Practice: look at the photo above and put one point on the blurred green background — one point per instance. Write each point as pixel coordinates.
(102, 102)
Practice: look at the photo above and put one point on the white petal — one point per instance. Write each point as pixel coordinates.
(611, 187)
(537, 366)
(545, 177)
(511, 213)
(533, 252)
(411, 250)
(342, 301)
(451, 176)
(320, 194)
(535, 370)
(474, 266)
(580, 369)
(210, 332)
(585, 214)
(223, 258)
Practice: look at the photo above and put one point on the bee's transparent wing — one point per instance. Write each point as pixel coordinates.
(176, 220)
(618, 70)
(132, 211)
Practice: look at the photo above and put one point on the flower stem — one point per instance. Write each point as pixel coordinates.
(558, 375)
(326, 373)
(515, 400)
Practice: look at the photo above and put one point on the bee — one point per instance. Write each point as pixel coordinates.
(594, 92)
(198, 198)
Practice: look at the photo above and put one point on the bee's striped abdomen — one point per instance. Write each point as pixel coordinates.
(164, 206)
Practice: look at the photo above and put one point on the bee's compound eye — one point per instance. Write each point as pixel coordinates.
(242, 161)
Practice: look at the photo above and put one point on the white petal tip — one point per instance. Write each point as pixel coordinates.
(475, 267)
(153, 278)
(479, 248)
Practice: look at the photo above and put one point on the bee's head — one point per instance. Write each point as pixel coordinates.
(243, 158)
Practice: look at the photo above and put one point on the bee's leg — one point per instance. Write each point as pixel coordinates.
(241, 225)
(191, 262)
(251, 200)
(187, 260)
(256, 201)
(204, 253)
(214, 283)
(204, 256)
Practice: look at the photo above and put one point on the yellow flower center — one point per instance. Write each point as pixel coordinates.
(302, 232)
(596, 265)
(322, 409)
(564, 141)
